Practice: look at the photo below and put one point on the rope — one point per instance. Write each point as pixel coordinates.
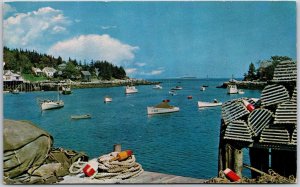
(111, 171)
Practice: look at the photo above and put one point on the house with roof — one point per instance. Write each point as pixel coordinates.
(49, 71)
(37, 71)
(9, 75)
(62, 66)
(86, 76)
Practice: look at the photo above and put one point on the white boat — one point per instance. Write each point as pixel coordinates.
(107, 99)
(84, 116)
(66, 90)
(177, 88)
(50, 104)
(202, 88)
(157, 86)
(162, 108)
(202, 104)
(130, 90)
(15, 91)
(232, 89)
(172, 92)
(241, 91)
(47, 104)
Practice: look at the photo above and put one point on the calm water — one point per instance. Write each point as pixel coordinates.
(183, 143)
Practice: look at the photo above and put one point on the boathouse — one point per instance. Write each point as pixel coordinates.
(269, 131)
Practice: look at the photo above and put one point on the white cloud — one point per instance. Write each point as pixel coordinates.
(28, 29)
(7, 8)
(140, 64)
(153, 72)
(96, 47)
(108, 27)
(130, 70)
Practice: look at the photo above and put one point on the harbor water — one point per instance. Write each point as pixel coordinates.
(183, 143)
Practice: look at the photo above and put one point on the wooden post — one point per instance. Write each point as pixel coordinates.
(238, 161)
(259, 158)
(117, 148)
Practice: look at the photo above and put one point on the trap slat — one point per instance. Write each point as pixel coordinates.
(274, 94)
(285, 71)
(286, 113)
(233, 110)
(276, 135)
(238, 130)
(258, 119)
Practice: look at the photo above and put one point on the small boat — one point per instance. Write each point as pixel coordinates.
(162, 108)
(172, 92)
(15, 91)
(83, 116)
(50, 104)
(47, 104)
(204, 85)
(107, 99)
(202, 88)
(157, 86)
(177, 88)
(66, 90)
(241, 91)
(232, 88)
(190, 97)
(209, 104)
(130, 90)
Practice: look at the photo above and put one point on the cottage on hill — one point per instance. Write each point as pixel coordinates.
(86, 76)
(49, 71)
(37, 71)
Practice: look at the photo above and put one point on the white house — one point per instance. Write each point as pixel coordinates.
(49, 71)
(9, 75)
(62, 66)
(37, 71)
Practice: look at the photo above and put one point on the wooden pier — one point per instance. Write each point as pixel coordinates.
(145, 178)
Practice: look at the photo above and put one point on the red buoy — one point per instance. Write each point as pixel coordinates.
(248, 105)
(190, 97)
(233, 177)
(90, 168)
(166, 100)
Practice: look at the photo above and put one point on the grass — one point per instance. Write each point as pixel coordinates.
(33, 78)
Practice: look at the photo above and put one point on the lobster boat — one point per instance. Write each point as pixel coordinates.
(215, 103)
(162, 108)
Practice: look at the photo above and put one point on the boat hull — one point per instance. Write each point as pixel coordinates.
(154, 110)
(208, 104)
(107, 100)
(86, 116)
(52, 105)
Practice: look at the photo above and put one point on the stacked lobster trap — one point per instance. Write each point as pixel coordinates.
(269, 131)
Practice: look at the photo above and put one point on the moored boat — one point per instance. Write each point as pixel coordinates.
(172, 92)
(83, 116)
(158, 86)
(130, 89)
(66, 90)
(51, 104)
(202, 88)
(241, 91)
(177, 88)
(162, 108)
(15, 91)
(232, 88)
(202, 104)
(107, 99)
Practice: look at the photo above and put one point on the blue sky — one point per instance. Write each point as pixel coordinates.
(157, 39)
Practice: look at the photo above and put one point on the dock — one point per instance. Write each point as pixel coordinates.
(146, 177)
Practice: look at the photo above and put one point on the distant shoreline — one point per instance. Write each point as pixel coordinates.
(252, 85)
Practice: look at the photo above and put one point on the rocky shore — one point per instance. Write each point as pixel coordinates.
(252, 85)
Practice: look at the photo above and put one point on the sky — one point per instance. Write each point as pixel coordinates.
(156, 39)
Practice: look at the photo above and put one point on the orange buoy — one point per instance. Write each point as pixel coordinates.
(190, 97)
(122, 155)
(231, 175)
(90, 168)
(248, 105)
(166, 100)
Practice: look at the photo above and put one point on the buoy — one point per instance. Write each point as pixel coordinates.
(231, 175)
(248, 105)
(166, 100)
(122, 155)
(189, 97)
(90, 168)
